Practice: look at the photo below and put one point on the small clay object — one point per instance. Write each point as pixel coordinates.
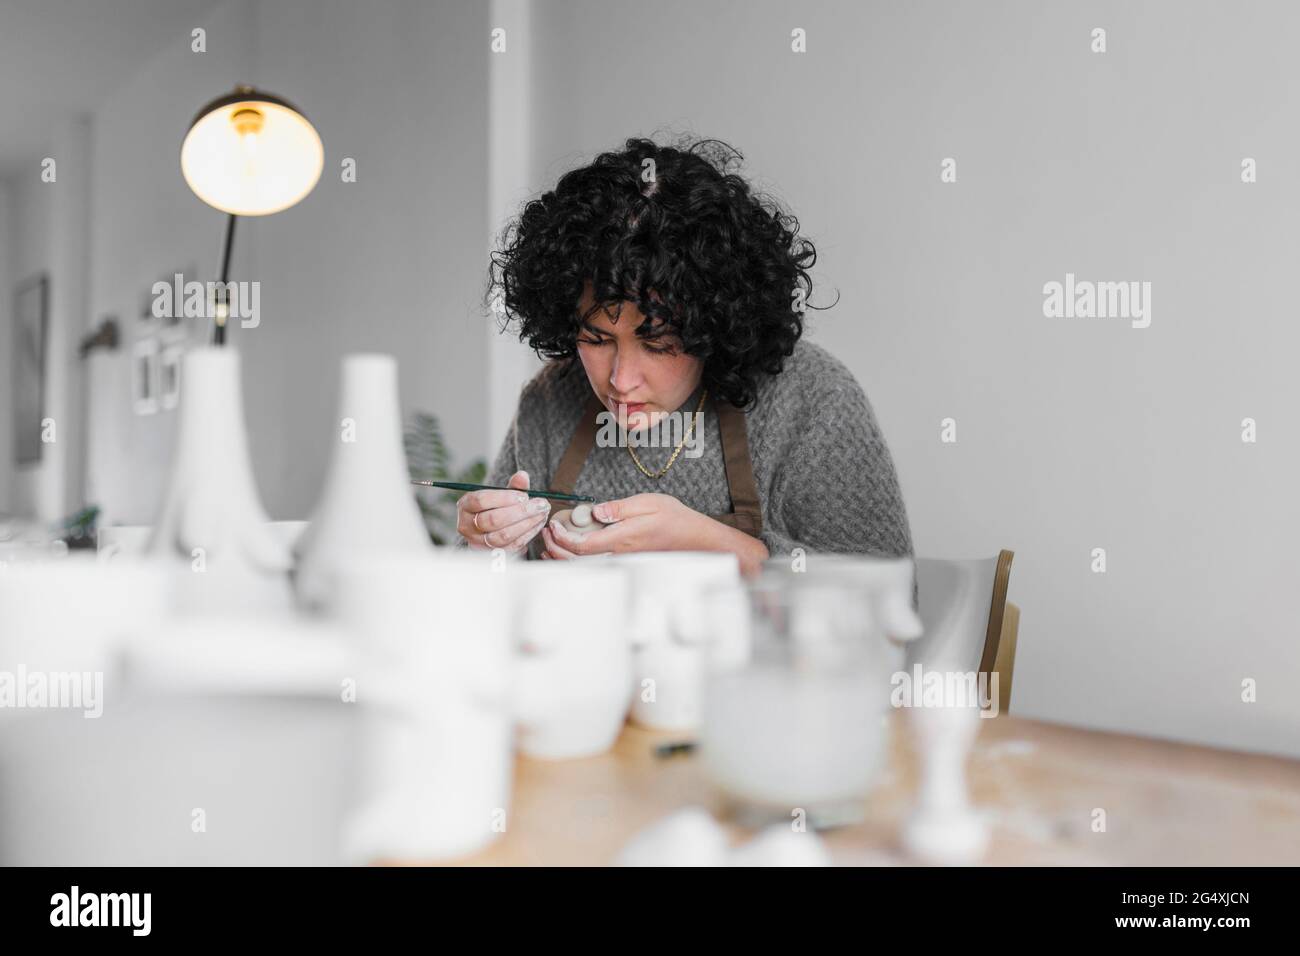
(579, 520)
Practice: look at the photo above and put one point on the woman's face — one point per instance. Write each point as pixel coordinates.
(637, 379)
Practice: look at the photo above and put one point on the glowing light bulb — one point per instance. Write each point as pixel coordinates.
(251, 154)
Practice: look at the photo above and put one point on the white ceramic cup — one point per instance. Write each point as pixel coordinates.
(670, 625)
(432, 638)
(573, 671)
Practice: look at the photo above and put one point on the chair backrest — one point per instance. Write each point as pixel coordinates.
(963, 605)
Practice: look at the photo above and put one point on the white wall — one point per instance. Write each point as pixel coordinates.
(392, 263)
(145, 225)
(8, 238)
(1072, 434)
(512, 112)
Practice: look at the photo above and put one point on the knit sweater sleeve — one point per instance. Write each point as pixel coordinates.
(836, 489)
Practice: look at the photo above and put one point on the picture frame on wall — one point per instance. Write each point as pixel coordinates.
(169, 376)
(31, 332)
(144, 376)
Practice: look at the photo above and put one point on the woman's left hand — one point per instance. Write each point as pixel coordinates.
(651, 522)
(646, 522)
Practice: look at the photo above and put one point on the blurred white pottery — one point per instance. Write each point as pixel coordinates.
(212, 519)
(73, 615)
(796, 725)
(242, 724)
(26, 540)
(780, 845)
(288, 533)
(433, 691)
(121, 540)
(367, 504)
(285, 657)
(271, 776)
(944, 829)
(887, 582)
(669, 629)
(21, 552)
(574, 671)
(689, 837)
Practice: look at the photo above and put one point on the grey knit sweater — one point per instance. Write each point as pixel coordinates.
(826, 481)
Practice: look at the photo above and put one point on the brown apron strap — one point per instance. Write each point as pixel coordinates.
(747, 513)
(575, 456)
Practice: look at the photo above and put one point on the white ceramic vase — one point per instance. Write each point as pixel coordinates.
(367, 505)
(574, 662)
(212, 520)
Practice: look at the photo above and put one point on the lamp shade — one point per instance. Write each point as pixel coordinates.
(251, 154)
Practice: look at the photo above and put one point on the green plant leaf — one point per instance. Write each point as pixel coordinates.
(429, 459)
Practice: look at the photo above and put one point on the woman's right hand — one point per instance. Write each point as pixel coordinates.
(508, 520)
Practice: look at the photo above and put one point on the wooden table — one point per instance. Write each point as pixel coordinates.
(1166, 803)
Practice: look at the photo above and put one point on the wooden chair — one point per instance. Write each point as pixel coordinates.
(969, 624)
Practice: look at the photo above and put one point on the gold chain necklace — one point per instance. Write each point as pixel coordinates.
(680, 445)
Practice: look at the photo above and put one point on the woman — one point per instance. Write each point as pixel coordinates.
(659, 286)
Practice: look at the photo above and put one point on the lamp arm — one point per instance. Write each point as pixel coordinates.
(219, 325)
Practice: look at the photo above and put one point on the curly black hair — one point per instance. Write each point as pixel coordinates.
(675, 230)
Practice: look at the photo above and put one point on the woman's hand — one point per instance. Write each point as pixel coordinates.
(501, 519)
(653, 522)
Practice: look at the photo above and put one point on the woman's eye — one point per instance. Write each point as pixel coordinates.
(660, 349)
(592, 341)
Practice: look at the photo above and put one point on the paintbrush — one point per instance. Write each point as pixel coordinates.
(466, 486)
